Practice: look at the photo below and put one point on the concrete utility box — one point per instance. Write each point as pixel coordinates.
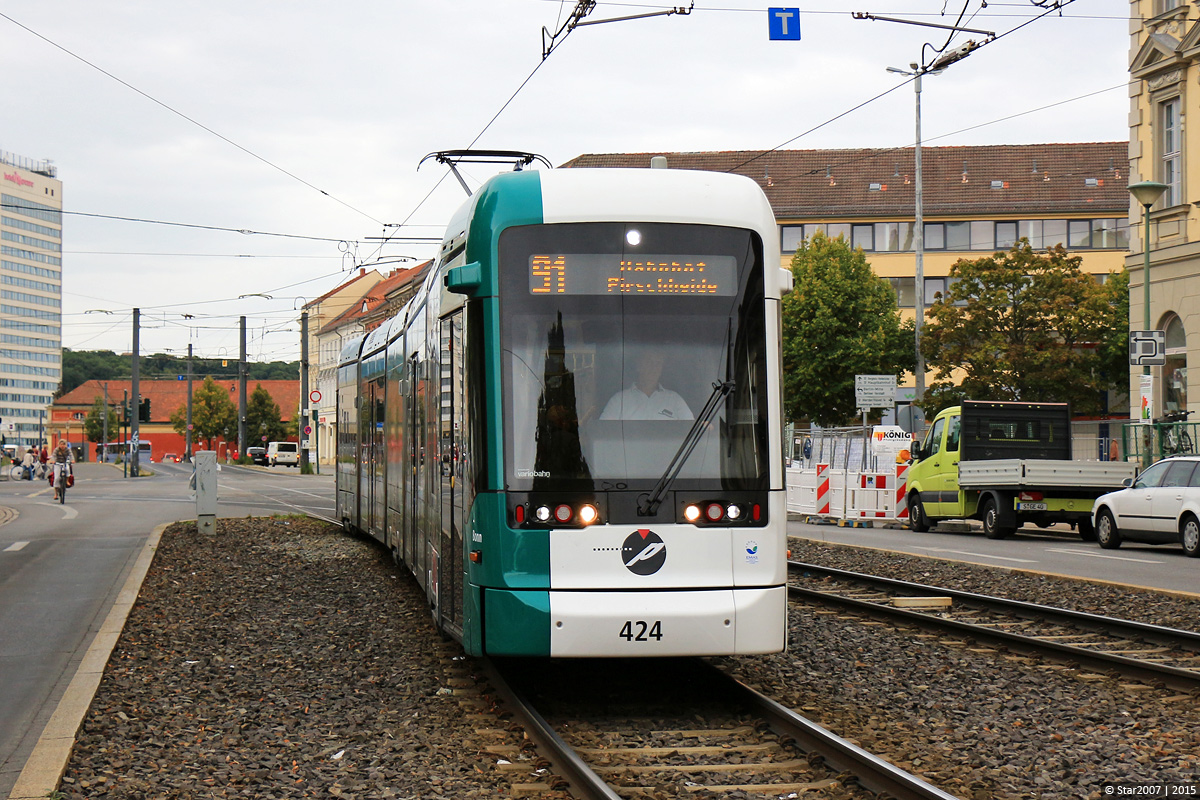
(205, 483)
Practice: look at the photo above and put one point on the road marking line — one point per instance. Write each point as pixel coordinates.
(1102, 555)
(15, 546)
(978, 555)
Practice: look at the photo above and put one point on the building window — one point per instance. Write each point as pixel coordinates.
(1175, 368)
(958, 236)
(1054, 231)
(983, 235)
(905, 291)
(935, 236)
(1006, 235)
(1170, 153)
(863, 236)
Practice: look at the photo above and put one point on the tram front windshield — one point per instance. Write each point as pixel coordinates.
(616, 337)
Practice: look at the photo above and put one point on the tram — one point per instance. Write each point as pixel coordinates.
(571, 433)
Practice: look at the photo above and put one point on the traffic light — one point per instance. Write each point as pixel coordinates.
(144, 410)
(125, 412)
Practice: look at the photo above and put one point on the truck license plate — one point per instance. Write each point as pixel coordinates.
(1031, 506)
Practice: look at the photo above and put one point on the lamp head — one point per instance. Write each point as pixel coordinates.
(1147, 192)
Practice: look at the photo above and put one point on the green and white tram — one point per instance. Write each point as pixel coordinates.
(571, 434)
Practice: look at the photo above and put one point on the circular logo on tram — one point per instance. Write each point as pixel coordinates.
(644, 552)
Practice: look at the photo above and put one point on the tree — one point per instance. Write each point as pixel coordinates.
(1023, 325)
(840, 320)
(263, 418)
(93, 423)
(213, 413)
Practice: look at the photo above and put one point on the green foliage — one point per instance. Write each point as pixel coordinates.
(840, 320)
(85, 365)
(93, 423)
(1023, 325)
(263, 418)
(213, 413)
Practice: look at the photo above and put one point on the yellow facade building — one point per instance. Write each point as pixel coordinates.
(976, 200)
(1164, 69)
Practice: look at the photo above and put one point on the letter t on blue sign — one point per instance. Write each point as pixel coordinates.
(784, 23)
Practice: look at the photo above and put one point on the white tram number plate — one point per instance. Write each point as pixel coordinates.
(1032, 507)
(641, 631)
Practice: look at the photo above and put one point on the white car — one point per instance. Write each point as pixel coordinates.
(1160, 506)
(283, 453)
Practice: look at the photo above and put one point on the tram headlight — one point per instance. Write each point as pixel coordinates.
(691, 513)
(542, 514)
(634, 237)
(733, 512)
(588, 514)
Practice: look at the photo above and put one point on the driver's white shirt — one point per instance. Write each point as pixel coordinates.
(634, 404)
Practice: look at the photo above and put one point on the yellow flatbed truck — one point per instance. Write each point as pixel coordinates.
(1006, 464)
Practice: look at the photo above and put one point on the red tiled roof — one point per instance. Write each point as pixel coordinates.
(877, 183)
(167, 396)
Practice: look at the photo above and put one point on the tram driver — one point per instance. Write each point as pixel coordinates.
(647, 399)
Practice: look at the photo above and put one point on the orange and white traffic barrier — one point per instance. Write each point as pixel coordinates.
(823, 490)
(902, 491)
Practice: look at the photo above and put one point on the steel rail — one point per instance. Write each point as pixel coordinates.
(585, 784)
(871, 772)
(1175, 677)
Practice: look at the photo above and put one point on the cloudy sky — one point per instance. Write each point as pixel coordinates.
(305, 122)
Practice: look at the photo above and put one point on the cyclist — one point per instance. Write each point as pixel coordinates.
(63, 458)
(27, 463)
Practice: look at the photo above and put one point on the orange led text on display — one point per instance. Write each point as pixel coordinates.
(552, 275)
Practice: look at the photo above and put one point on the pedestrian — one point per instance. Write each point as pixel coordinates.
(45, 456)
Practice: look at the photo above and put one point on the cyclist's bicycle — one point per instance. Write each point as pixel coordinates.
(1174, 436)
(62, 478)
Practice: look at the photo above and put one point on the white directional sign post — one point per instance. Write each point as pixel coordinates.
(874, 391)
(1147, 348)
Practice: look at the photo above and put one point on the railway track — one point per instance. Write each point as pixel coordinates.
(665, 728)
(1150, 653)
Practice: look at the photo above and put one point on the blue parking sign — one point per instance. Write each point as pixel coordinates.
(784, 24)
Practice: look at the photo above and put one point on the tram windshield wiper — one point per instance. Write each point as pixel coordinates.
(648, 503)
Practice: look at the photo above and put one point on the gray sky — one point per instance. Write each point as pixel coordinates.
(348, 98)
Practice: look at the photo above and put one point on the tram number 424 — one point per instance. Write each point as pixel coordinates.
(641, 631)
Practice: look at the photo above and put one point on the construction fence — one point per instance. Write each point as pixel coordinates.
(858, 475)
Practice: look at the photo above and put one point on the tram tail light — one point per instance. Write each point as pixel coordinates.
(756, 512)
(563, 513)
(519, 514)
(714, 512)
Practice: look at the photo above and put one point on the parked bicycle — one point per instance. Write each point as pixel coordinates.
(1174, 436)
(18, 473)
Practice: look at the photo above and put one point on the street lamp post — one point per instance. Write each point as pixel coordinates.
(1147, 194)
(916, 73)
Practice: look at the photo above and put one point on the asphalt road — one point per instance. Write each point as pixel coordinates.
(61, 567)
(1057, 550)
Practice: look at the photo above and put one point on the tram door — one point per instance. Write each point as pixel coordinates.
(451, 430)
(411, 459)
(376, 456)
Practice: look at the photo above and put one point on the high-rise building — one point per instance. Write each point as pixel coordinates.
(30, 296)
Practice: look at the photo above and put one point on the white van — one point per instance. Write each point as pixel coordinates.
(283, 453)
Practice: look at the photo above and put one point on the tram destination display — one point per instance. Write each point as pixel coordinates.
(616, 274)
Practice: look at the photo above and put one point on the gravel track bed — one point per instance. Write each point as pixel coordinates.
(970, 720)
(280, 659)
